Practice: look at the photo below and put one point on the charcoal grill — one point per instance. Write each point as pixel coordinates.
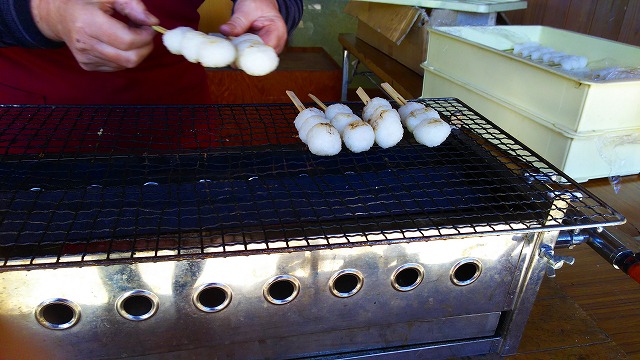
(140, 231)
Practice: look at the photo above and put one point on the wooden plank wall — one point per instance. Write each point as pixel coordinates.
(610, 19)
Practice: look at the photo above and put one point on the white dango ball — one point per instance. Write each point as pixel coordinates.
(308, 124)
(324, 140)
(172, 39)
(342, 120)
(192, 43)
(258, 60)
(432, 132)
(335, 109)
(417, 116)
(407, 108)
(304, 115)
(358, 136)
(373, 105)
(254, 57)
(387, 127)
(217, 52)
(249, 37)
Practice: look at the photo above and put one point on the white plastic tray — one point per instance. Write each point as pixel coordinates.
(478, 6)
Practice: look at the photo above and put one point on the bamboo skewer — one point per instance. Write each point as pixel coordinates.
(159, 29)
(317, 101)
(363, 95)
(295, 100)
(394, 94)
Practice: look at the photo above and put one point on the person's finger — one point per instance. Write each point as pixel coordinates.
(121, 36)
(124, 58)
(112, 42)
(271, 31)
(135, 11)
(236, 26)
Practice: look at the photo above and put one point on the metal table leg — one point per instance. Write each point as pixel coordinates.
(345, 74)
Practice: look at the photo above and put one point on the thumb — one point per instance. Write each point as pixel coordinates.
(135, 11)
(236, 26)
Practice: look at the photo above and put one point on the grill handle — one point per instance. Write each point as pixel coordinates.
(615, 252)
(607, 245)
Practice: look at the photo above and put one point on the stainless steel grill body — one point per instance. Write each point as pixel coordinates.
(315, 322)
(220, 235)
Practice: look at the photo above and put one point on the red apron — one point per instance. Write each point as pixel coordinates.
(53, 76)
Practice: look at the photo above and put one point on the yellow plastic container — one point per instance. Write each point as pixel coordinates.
(481, 57)
(582, 156)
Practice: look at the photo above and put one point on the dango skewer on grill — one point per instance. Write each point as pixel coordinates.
(357, 135)
(332, 110)
(424, 122)
(383, 118)
(315, 130)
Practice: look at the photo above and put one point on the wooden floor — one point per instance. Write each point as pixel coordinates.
(590, 310)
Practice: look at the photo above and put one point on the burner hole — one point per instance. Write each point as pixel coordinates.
(346, 283)
(137, 305)
(407, 277)
(212, 297)
(58, 314)
(281, 289)
(465, 272)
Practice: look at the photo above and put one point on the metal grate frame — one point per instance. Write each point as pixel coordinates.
(94, 183)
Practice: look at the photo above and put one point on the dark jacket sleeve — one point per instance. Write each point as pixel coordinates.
(17, 27)
(291, 11)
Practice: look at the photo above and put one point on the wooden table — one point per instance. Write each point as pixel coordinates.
(302, 70)
(407, 82)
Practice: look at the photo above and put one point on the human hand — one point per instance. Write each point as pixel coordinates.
(261, 17)
(98, 41)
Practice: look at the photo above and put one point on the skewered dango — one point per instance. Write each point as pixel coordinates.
(315, 130)
(254, 57)
(383, 118)
(357, 135)
(198, 47)
(335, 109)
(324, 140)
(424, 122)
(248, 52)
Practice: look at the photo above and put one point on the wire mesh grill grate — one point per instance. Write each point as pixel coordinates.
(99, 183)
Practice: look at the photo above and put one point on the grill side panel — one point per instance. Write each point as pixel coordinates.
(315, 322)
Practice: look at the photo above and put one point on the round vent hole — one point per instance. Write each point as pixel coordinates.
(281, 290)
(407, 277)
(212, 297)
(346, 283)
(137, 305)
(57, 314)
(466, 272)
